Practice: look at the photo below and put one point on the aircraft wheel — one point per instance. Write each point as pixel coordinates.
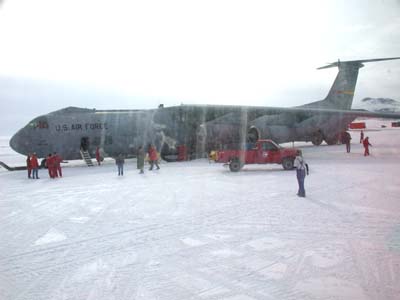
(235, 165)
(288, 163)
(317, 139)
(167, 154)
(332, 141)
(43, 164)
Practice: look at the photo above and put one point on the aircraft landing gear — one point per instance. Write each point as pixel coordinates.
(167, 154)
(332, 141)
(317, 138)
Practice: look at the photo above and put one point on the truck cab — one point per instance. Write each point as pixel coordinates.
(263, 152)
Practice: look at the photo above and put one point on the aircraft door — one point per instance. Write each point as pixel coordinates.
(85, 143)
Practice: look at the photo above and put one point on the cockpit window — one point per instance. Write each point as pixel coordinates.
(38, 124)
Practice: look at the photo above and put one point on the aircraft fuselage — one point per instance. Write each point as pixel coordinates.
(198, 128)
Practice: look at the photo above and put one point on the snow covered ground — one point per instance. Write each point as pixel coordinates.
(194, 230)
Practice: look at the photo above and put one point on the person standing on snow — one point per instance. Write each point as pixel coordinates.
(50, 165)
(29, 165)
(57, 164)
(361, 136)
(35, 166)
(347, 140)
(301, 172)
(153, 157)
(366, 145)
(98, 157)
(119, 161)
(140, 159)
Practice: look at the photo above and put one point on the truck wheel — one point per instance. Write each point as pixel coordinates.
(288, 163)
(235, 165)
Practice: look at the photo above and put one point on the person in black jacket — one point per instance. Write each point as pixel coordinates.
(119, 161)
(346, 139)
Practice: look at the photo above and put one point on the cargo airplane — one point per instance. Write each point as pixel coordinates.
(189, 131)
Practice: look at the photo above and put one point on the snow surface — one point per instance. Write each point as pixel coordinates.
(194, 230)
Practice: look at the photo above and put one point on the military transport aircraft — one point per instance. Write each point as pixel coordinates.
(194, 129)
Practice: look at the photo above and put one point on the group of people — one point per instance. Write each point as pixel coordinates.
(346, 138)
(141, 155)
(53, 162)
(302, 167)
(53, 165)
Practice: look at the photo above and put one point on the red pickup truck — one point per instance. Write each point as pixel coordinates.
(261, 152)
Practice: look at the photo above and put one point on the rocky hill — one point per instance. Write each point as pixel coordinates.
(378, 105)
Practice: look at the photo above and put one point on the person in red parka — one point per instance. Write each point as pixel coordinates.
(366, 145)
(35, 166)
(50, 165)
(98, 157)
(57, 164)
(28, 165)
(153, 157)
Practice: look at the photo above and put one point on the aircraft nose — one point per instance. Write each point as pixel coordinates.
(14, 142)
(19, 142)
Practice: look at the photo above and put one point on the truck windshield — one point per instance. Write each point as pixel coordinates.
(268, 146)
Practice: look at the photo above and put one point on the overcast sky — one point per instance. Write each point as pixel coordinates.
(138, 54)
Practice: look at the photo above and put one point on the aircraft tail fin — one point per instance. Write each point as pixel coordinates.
(341, 93)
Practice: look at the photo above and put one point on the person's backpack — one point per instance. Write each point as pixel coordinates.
(304, 166)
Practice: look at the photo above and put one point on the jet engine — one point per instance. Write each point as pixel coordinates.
(274, 127)
(278, 134)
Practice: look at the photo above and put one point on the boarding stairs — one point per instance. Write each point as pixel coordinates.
(86, 157)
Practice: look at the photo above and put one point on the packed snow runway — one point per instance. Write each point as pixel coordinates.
(194, 230)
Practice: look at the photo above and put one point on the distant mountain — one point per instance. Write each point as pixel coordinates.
(379, 105)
